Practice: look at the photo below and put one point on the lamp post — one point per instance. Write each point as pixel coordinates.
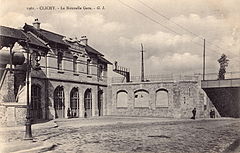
(36, 66)
(28, 124)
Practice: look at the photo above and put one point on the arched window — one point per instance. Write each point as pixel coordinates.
(122, 98)
(74, 102)
(59, 102)
(162, 98)
(35, 105)
(141, 98)
(88, 103)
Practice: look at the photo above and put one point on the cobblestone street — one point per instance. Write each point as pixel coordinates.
(137, 135)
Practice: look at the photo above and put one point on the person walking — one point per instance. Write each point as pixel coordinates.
(68, 113)
(213, 113)
(194, 111)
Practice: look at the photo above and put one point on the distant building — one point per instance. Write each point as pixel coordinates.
(68, 77)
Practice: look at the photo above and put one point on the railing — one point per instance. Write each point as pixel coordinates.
(228, 75)
(158, 78)
(176, 77)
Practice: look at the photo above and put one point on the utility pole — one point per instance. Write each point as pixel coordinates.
(204, 59)
(142, 69)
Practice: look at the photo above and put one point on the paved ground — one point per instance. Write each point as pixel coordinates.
(113, 134)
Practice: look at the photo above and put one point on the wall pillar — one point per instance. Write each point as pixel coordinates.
(81, 103)
(66, 101)
(94, 101)
(104, 103)
(7, 89)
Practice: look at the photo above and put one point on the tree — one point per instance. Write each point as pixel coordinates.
(223, 61)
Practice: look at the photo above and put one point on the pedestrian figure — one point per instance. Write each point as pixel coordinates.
(213, 113)
(194, 113)
(68, 112)
(85, 114)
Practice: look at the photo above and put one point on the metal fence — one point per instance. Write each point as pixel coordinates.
(158, 78)
(176, 77)
(228, 75)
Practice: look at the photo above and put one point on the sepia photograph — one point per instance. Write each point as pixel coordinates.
(120, 76)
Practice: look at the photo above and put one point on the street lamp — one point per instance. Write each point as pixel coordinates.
(28, 124)
(28, 133)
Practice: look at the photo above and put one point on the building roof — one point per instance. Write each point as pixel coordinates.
(91, 50)
(49, 36)
(53, 36)
(102, 59)
(12, 33)
(34, 41)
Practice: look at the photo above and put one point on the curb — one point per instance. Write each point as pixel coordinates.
(44, 148)
(27, 147)
(50, 124)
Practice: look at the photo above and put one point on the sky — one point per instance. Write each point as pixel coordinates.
(171, 31)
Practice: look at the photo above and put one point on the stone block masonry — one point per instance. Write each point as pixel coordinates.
(158, 99)
(12, 114)
(7, 88)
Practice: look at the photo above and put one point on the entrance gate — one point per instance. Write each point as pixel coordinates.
(100, 103)
(59, 102)
(35, 105)
(88, 103)
(74, 102)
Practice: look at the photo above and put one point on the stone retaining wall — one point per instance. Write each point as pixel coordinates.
(183, 96)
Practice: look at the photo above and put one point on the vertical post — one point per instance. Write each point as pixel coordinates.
(142, 69)
(11, 58)
(127, 77)
(28, 133)
(204, 59)
(46, 85)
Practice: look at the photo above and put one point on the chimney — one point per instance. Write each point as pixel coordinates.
(36, 24)
(84, 40)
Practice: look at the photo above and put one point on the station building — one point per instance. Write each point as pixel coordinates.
(68, 77)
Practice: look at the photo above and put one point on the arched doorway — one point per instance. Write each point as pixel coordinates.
(74, 102)
(100, 103)
(59, 102)
(35, 105)
(88, 103)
